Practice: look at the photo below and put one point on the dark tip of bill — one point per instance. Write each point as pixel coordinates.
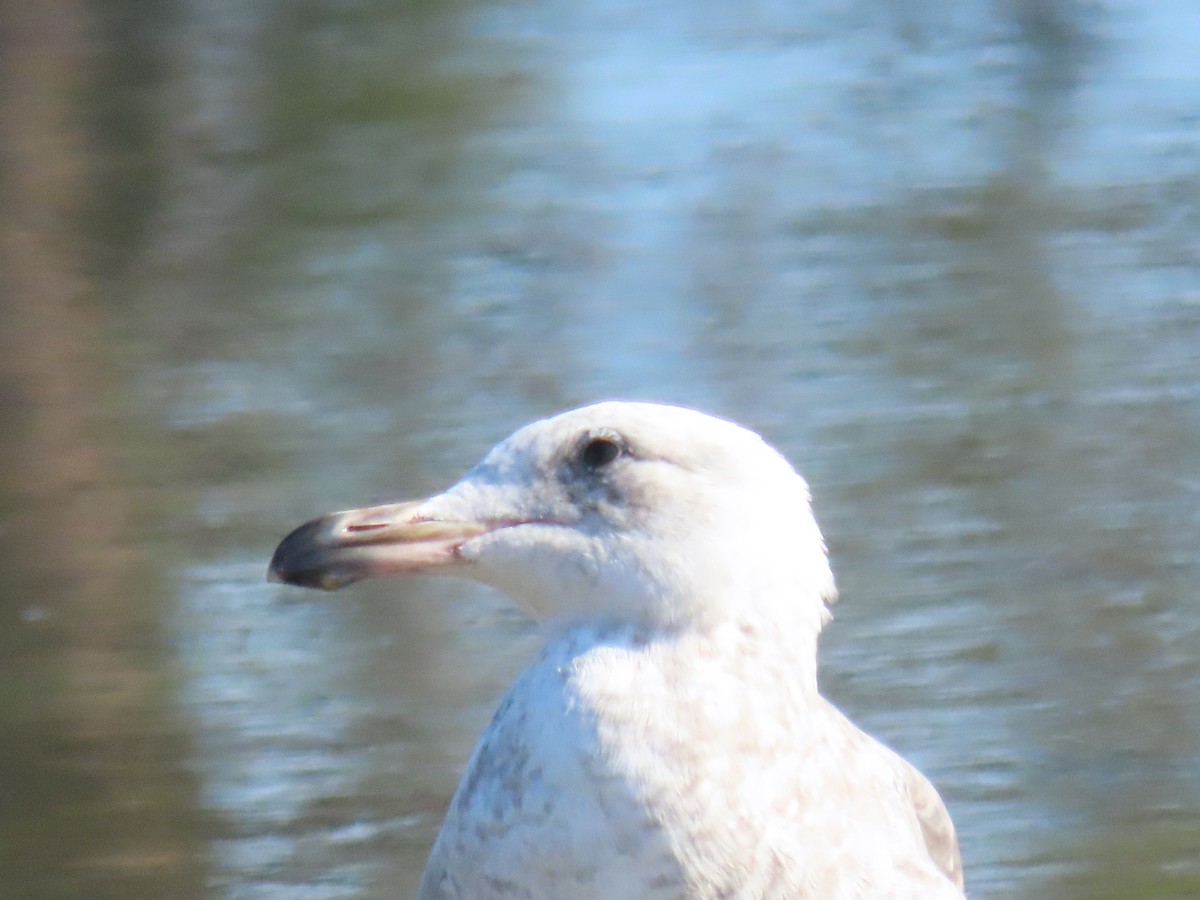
(298, 559)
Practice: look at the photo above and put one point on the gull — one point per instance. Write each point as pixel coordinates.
(669, 740)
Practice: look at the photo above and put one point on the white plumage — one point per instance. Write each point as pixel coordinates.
(669, 740)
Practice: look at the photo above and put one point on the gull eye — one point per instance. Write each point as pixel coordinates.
(598, 451)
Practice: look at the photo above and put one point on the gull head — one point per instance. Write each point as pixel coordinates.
(638, 513)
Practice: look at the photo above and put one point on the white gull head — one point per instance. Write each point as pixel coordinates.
(642, 513)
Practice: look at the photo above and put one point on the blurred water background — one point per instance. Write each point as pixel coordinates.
(266, 259)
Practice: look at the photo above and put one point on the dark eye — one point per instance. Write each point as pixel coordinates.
(598, 452)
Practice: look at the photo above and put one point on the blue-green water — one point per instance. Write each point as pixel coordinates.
(266, 260)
